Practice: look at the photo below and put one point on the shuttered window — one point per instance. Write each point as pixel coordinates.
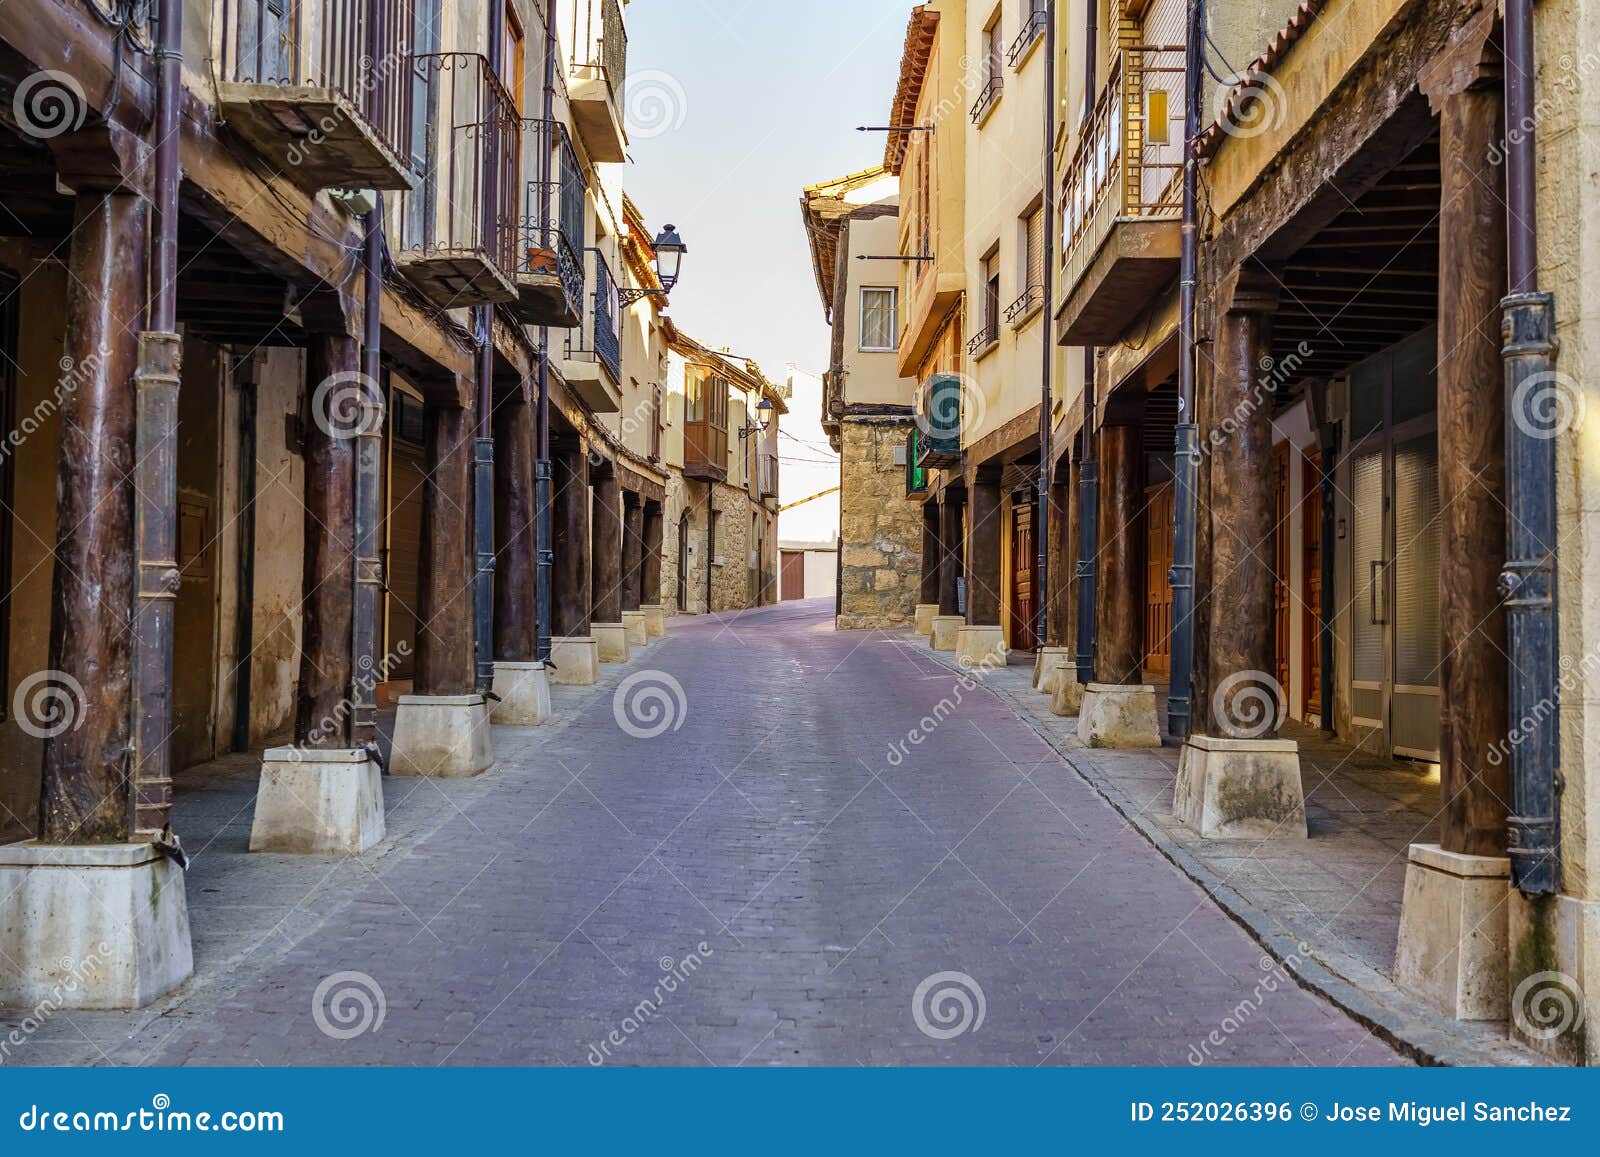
(1033, 231)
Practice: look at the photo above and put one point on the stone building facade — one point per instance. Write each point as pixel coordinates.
(880, 530)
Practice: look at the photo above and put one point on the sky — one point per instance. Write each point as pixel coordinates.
(734, 106)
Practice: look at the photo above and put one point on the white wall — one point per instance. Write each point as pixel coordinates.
(807, 465)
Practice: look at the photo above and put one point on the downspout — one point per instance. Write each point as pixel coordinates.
(1089, 465)
(1186, 450)
(483, 443)
(544, 518)
(1529, 578)
(1041, 596)
(156, 473)
(245, 613)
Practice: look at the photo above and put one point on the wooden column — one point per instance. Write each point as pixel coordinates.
(983, 547)
(1060, 611)
(1473, 680)
(570, 481)
(1243, 499)
(654, 538)
(515, 535)
(86, 708)
(931, 552)
(952, 545)
(322, 703)
(445, 578)
(1119, 615)
(632, 551)
(607, 547)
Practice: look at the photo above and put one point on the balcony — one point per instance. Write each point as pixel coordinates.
(599, 78)
(322, 88)
(594, 347)
(1121, 198)
(985, 340)
(550, 276)
(767, 475)
(1020, 310)
(987, 96)
(939, 404)
(459, 229)
(705, 425)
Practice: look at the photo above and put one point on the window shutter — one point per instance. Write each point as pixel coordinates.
(1035, 249)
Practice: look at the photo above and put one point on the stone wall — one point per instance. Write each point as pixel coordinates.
(880, 530)
(730, 581)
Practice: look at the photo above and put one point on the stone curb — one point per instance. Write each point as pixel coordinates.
(1409, 1028)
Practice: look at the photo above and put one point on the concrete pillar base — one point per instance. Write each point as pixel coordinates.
(313, 802)
(576, 661)
(1113, 715)
(1454, 929)
(98, 927)
(1241, 789)
(655, 620)
(942, 634)
(635, 627)
(524, 694)
(1047, 662)
(1554, 976)
(1067, 695)
(981, 647)
(441, 737)
(922, 618)
(610, 641)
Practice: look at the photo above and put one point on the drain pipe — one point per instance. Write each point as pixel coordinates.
(1041, 534)
(1089, 464)
(1186, 449)
(483, 443)
(1529, 578)
(156, 474)
(544, 518)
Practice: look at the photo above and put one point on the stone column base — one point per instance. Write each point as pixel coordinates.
(1237, 789)
(576, 661)
(1454, 929)
(1067, 697)
(97, 927)
(441, 736)
(922, 618)
(633, 625)
(655, 620)
(1554, 979)
(942, 633)
(1113, 715)
(981, 647)
(318, 802)
(524, 694)
(610, 641)
(1047, 663)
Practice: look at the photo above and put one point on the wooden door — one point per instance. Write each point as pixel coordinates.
(402, 535)
(1159, 509)
(1281, 546)
(1023, 635)
(794, 575)
(1311, 575)
(195, 614)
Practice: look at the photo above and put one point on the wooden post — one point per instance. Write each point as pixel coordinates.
(654, 527)
(607, 547)
(570, 469)
(952, 545)
(632, 551)
(1119, 618)
(323, 703)
(445, 581)
(931, 552)
(86, 708)
(1474, 676)
(514, 533)
(983, 548)
(1243, 500)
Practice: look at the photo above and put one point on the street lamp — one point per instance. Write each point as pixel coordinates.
(764, 414)
(669, 266)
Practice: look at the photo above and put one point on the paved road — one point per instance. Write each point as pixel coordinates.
(771, 881)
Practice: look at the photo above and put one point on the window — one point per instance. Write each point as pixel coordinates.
(1033, 242)
(991, 296)
(515, 60)
(880, 318)
(655, 421)
(993, 70)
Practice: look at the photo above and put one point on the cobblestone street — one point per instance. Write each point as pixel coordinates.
(834, 821)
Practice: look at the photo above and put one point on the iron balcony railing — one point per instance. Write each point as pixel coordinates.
(607, 317)
(552, 215)
(331, 44)
(986, 337)
(987, 96)
(470, 200)
(1129, 155)
(1032, 298)
(600, 44)
(1032, 29)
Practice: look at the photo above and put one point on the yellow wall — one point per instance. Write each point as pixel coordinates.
(872, 377)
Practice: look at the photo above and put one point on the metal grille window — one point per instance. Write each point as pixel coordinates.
(880, 321)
